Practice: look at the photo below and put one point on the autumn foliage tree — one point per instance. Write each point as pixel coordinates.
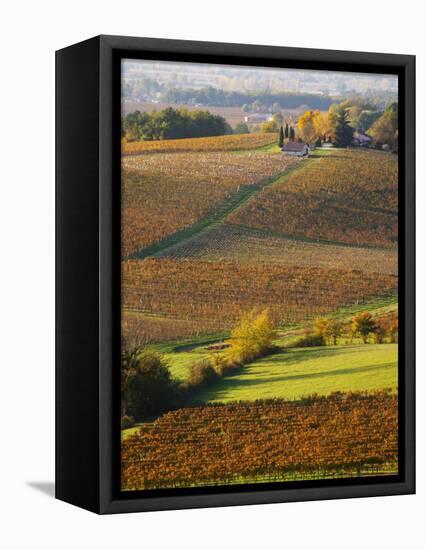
(380, 331)
(322, 126)
(321, 326)
(307, 126)
(252, 337)
(384, 130)
(329, 328)
(363, 324)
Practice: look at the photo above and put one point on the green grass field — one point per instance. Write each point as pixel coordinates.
(182, 354)
(180, 362)
(302, 371)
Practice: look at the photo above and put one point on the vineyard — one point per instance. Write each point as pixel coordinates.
(348, 197)
(241, 142)
(226, 242)
(163, 193)
(344, 435)
(259, 290)
(140, 328)
(204, 291)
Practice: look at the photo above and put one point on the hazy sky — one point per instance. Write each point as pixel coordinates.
(196, 74)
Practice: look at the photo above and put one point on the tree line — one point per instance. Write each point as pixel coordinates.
(329, 331)
(342, 120)
(173, 124)
(338, 126)
(249, 101)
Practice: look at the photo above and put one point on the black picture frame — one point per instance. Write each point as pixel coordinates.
(88, 273)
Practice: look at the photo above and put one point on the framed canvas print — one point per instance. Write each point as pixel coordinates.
(235, 274)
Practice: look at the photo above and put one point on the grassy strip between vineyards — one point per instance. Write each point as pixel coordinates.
(181, 355)
(302, 371)
(297, 372)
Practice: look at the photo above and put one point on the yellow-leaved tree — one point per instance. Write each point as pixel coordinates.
(252, 337)
(323, 126)
(307, 127)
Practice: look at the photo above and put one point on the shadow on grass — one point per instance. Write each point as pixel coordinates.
(293, 356)
(307, 376)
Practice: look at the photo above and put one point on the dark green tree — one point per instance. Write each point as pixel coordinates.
(343, 131)
(291, 134)
(281, 134)
(286, 131)
(241, 128)
(147, 388)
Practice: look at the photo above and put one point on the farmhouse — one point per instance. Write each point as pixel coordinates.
(361, 140)
(258, 117)
(295, 149)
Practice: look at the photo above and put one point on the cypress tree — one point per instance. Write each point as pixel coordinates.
(281, 137)
(291, 134)
(286, 131)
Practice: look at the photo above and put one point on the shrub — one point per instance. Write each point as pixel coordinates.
(202, 374)
(381, 330)
(269, 127)
(309, 340)
(241, 128)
